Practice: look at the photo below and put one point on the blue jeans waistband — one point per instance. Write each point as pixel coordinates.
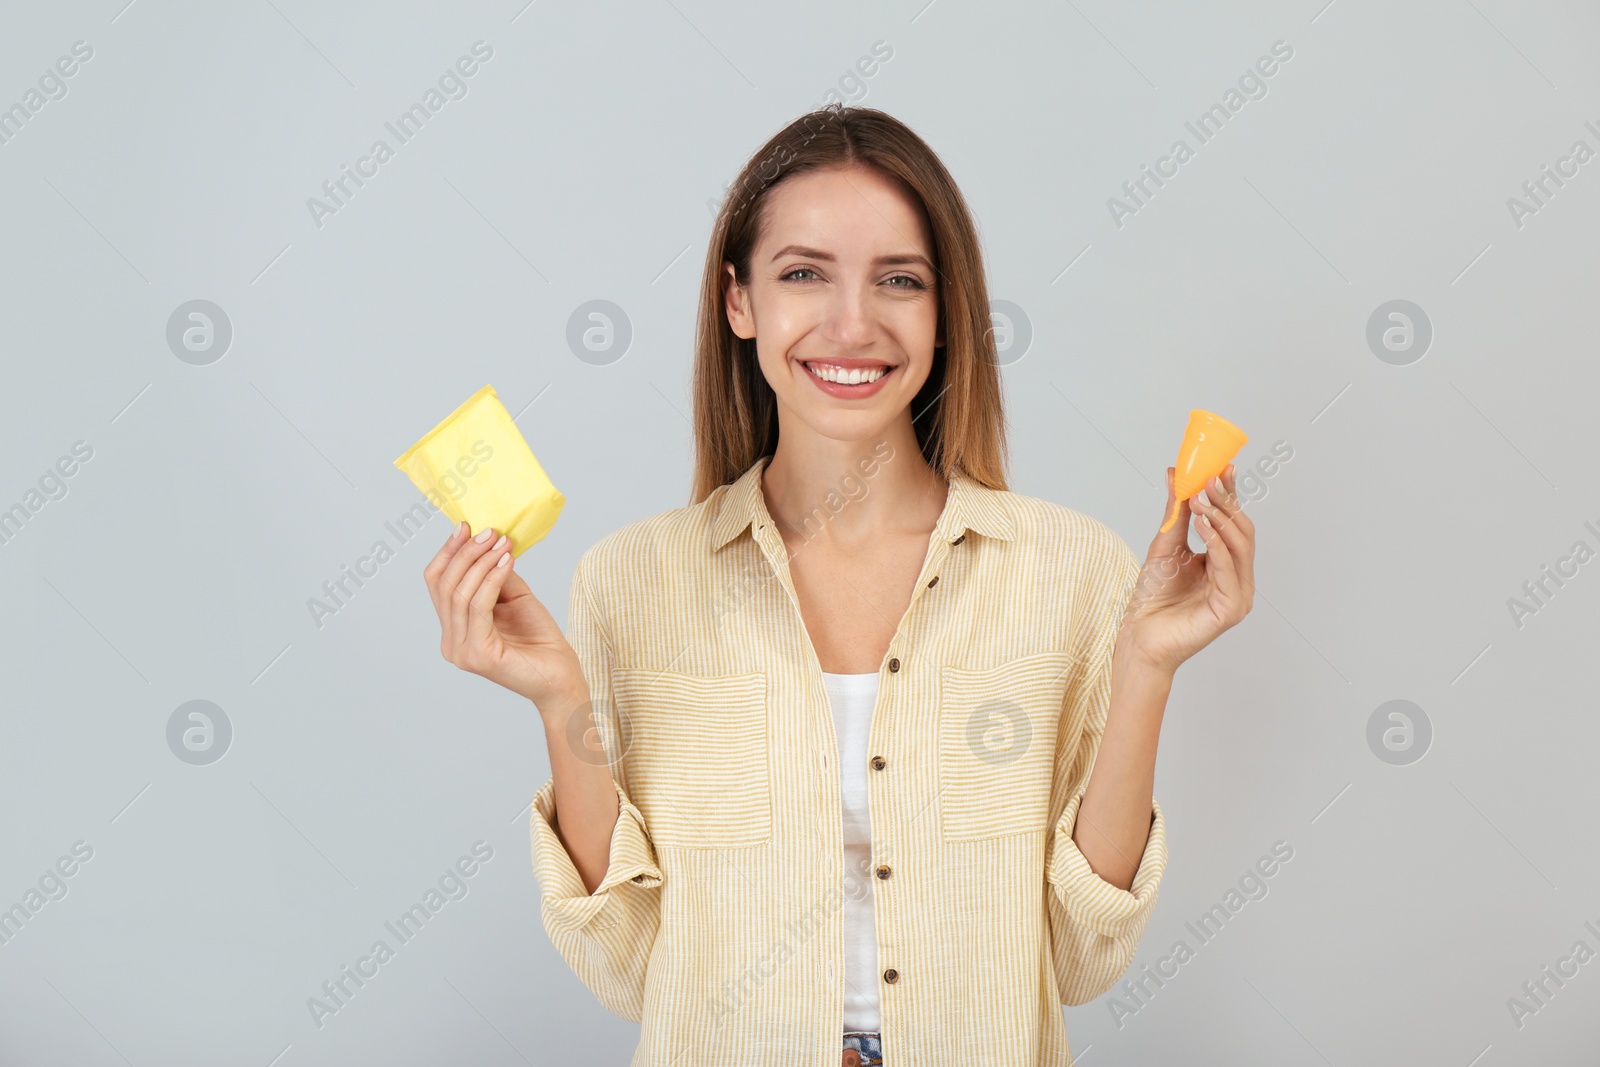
(869, 1045)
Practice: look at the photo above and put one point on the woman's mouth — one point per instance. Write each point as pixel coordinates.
(854, 383)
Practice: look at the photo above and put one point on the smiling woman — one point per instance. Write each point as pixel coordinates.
(947, 687)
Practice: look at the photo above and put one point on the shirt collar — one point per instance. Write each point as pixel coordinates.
(969, 505)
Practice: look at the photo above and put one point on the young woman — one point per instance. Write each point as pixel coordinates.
(859, 744)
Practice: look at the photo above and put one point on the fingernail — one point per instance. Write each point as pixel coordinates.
(504, 560)
(484, 535)
(498, 543)
(461, 528)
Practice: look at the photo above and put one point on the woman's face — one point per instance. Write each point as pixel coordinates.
(841, 283)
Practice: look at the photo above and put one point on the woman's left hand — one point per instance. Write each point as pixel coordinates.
(1183, 600)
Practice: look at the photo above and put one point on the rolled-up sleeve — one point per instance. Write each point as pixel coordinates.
(1095, 926)
(568, 906)
(606, 936)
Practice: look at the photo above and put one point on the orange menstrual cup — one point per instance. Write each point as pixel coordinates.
(1209, 445)
(475, 466)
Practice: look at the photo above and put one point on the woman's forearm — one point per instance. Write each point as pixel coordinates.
(1113, 823)
(585, 798)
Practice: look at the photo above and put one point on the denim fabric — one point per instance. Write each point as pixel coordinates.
(869, 1045)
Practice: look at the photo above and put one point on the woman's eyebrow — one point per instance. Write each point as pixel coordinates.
(815, 253)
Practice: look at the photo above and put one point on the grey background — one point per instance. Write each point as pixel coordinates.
(578, 167)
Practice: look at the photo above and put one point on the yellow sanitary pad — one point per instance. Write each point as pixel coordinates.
(475, 466)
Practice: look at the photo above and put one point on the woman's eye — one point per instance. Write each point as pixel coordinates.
(798, 270)
(916, 283)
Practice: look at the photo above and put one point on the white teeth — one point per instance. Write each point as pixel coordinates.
(830, 373)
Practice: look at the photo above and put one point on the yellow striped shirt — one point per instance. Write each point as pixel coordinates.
(718, 923)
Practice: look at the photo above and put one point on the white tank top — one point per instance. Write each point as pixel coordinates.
(851, 697)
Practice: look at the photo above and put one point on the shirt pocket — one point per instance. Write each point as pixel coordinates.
(697, 756)
(997, 742)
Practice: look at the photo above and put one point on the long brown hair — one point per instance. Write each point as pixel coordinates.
(958, 414)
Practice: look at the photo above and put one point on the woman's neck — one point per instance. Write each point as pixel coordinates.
(853, 493)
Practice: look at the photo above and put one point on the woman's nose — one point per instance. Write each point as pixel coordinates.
(849, 318)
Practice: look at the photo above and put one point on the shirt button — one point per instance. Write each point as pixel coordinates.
(958, 540)
(894, 666)
(934, 582)
(878, 763)
(883, 871)
(891, 975)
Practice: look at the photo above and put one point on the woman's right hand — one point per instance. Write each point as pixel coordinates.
(492, 625)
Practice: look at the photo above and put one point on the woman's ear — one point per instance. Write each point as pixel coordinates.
(736, 301)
